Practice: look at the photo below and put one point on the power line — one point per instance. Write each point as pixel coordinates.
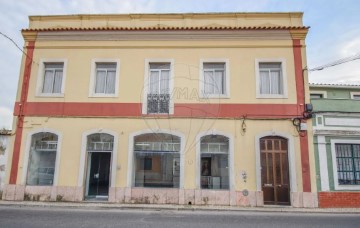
(337, 62)
(16, 45)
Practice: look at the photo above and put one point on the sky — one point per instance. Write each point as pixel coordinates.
(334, 32)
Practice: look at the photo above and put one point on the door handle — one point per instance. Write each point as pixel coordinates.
(278, 185)
(96, 176)
(268, 185)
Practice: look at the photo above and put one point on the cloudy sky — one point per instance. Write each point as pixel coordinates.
(334, 32)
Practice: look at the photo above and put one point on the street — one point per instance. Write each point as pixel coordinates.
(15, 216)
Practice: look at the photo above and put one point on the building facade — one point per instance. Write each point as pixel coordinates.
(204, 109)
(337, 143)
(4, 142)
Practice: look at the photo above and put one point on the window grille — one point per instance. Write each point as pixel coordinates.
(348, 163)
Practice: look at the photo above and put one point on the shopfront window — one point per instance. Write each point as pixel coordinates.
(157, 160)
(42, 159)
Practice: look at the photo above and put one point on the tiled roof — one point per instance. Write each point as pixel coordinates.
(165, 28)
(334, 85)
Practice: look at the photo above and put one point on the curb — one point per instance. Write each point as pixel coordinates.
(160, 207)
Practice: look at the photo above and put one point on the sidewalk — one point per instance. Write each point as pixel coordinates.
(104, 205)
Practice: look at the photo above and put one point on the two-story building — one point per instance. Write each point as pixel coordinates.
(164, 108)
(337, 143)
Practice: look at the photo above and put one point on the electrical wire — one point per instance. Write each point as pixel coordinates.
(17, 46)
(337, 62)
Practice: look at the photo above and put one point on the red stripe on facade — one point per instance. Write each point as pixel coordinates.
(300, 95)
(21, 106)
(181, 110)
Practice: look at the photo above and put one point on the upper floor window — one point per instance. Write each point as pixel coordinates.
(214, 78)
(51, 78)
(318, 94)
(158, 100)
(271, 80)
(355, 95)
(104, 78)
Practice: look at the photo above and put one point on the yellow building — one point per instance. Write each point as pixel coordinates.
(163, 108)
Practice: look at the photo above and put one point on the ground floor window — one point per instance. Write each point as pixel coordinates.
(157, 160)
(42, 159)
(214, 165)
(348, 163)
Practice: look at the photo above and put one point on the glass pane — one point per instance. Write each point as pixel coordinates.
(54, 66)
(214, 171)
(160, 66)
(209, 83)
(214, 66)
(163, 172)
(164, 82)
(270, 66)
(42, 159)
(275, 82)
(110, 82)
(106, 66)
(264, 82)
(219, 82)
(154, 82)
(100, 81)
(48, 81)
(58, 81)
(100, 142)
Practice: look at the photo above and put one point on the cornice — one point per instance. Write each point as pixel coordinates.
(299, 33)
(29, 35)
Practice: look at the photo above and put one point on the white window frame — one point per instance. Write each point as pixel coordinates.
(41, 75)
(323, 93)
(93, 78)
(337, 186)
(284, 78)
(147, 81)
(355, 93)
(202, 78)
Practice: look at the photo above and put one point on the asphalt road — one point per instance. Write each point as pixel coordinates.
(15, 216)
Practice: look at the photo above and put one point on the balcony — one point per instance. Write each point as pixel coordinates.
(158, 103)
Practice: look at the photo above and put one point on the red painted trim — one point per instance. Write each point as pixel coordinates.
(300, 95)
(181, 110)
(21, 106)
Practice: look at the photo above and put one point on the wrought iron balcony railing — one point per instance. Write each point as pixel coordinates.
(158, 103)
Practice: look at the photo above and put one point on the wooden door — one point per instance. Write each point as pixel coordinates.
(275, 170)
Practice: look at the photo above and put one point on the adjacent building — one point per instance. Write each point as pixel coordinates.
(337, 143)
(4, 141)
(204, 109)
